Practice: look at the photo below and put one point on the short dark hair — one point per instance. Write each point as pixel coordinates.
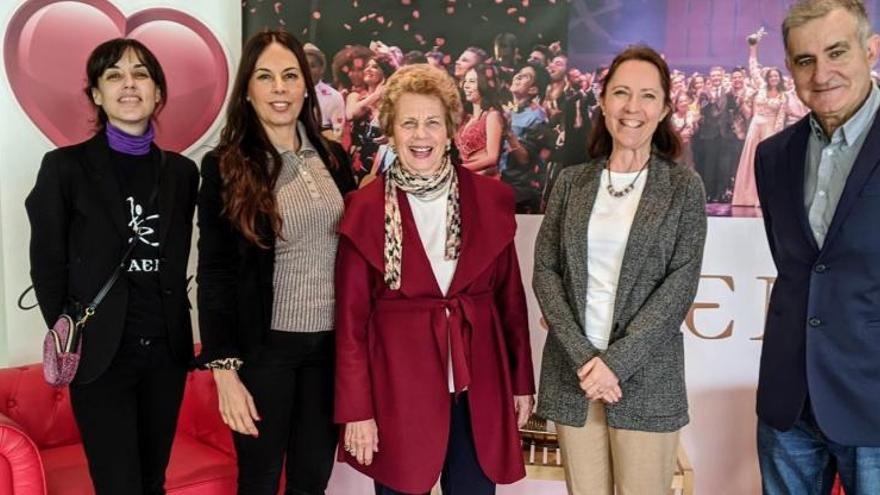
(665, 141)
(414, 57)
(542, 77)
(544, 51)
(106, 55)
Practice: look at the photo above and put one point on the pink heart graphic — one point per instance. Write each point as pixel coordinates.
(48, 42)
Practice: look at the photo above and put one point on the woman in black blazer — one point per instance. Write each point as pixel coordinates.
(270, 202)
(90, 200)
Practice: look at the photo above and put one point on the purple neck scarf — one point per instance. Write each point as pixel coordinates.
(126, 143)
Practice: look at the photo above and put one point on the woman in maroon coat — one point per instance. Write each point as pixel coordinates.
(434, 370)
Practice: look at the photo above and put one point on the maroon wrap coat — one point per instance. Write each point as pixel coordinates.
(393, 345)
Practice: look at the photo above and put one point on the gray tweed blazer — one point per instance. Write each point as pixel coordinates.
(658, 282)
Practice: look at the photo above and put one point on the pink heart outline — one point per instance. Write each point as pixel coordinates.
(48, 81)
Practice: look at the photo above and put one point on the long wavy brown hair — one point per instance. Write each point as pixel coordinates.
(249, 163)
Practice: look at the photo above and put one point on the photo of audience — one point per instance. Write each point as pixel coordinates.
(529, 109)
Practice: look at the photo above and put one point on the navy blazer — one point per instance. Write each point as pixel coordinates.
(79, 233)
(822, 334)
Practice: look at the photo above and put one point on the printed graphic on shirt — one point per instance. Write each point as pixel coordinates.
(145, 231)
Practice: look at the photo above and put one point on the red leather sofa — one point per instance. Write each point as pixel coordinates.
(41, 452)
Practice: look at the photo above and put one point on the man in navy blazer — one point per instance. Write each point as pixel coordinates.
(819, 186)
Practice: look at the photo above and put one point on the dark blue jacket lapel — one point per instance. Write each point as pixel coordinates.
(866, 162)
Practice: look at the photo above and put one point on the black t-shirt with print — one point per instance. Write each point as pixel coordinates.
(137, 178)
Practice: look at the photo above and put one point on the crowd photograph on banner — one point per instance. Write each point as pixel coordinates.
(530, 100)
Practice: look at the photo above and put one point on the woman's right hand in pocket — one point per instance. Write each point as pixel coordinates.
(236, 404)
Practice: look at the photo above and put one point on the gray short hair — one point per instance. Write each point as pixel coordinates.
(805, 11)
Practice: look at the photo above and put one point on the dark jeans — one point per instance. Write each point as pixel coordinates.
(804, 461)
(462, 474)
(291, 381)
(127, 417)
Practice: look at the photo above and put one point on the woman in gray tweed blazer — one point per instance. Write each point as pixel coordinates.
(617, 263)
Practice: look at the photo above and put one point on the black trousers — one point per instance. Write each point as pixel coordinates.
(716, 160)
(128, 416)
(291, 381)
(462, 474)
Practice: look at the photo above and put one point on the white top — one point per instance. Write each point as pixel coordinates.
(607, 234)
(430, 217)
(332, 108)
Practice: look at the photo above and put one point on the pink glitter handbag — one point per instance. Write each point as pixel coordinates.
(61, 349)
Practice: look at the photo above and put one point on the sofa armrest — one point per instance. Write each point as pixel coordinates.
(22, 472)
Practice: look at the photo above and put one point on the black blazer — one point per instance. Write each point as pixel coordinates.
(78, 236)
(235, 276)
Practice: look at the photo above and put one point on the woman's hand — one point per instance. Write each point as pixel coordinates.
(599, 382)
(523, 405)
(362, 440)
(236, 404)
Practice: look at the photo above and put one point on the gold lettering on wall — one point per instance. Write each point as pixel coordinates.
(768, 289)
(697, 305)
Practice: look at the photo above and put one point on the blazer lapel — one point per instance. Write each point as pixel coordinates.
(577, 219)
(651, 211)
(167, 183)
(866, 162)
(797, 162)
(107, 183)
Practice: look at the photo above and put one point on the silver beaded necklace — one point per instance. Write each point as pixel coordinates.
(628, 189)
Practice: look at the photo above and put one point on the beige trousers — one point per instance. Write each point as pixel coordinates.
(597, 458)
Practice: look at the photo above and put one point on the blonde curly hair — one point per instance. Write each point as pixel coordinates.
(420, 79)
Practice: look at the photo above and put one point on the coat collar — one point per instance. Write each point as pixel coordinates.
(487, 228)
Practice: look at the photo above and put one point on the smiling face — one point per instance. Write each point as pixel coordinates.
(830, 66)
(470, 86)
(557, 68)
(373, 74)
(420, 133)
(277, 88)
(773, 78)
(633, 105)
(716, 78)
(127, 94)
(523, 82)
(737, 80)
